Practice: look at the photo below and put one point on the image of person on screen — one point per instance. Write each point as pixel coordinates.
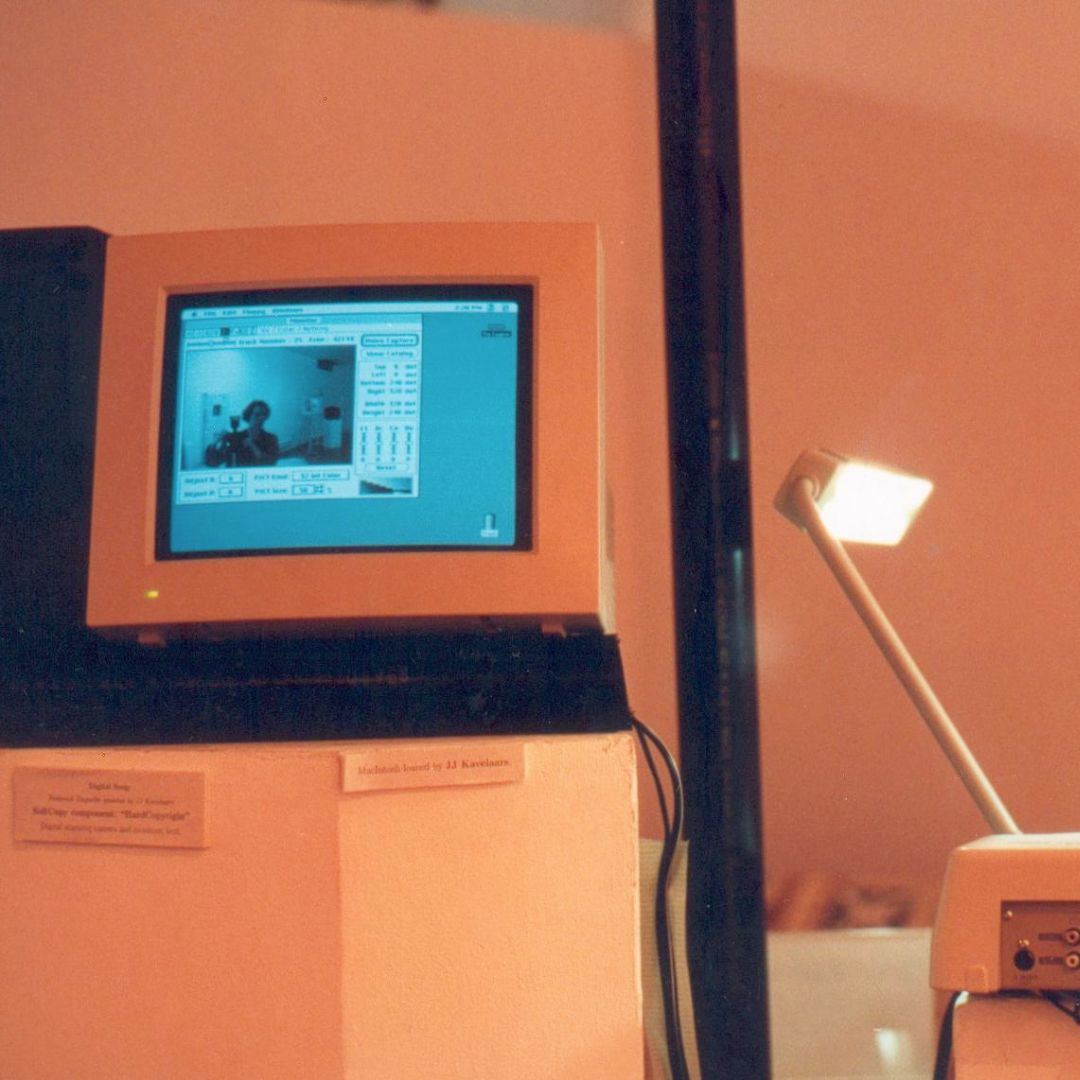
(253, 445)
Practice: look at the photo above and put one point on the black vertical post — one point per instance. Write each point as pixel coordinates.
(711, 532)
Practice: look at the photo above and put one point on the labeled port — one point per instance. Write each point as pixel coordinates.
(1072, 960)
(1024, 959)
(1072, 936)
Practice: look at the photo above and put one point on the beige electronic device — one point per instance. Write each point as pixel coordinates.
(1009, 915)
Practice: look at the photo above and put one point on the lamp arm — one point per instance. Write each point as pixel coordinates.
(900, 660)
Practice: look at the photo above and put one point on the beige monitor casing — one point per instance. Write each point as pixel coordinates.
(563, 582)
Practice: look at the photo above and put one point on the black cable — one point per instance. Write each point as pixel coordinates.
(1072, 1009)
(661, 795)
(945, 1040)
(664, 945)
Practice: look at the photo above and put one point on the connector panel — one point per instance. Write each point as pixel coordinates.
(1040, 945)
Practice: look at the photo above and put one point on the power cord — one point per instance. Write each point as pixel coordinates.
(672, 819)
(943, 1058)
(1066, 1002)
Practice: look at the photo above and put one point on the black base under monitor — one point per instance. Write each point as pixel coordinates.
(399, 686)
(62, 685)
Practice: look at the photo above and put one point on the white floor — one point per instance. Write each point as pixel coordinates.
(851, 1004)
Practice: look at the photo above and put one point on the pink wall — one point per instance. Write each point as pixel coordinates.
(913, 259)
(226, 113)
(911, 254)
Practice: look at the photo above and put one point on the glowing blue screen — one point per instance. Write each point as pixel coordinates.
(338, 419)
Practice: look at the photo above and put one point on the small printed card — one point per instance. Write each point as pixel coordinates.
(439, 765)
(138, 807)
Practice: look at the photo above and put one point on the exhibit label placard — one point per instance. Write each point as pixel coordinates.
(141, 807)
(387, 768)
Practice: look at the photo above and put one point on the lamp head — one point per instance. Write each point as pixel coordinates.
(857, 501)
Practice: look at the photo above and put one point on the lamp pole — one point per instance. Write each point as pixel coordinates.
(900, 660)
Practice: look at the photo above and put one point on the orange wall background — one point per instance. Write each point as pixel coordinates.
(913, 263)
(156, 116)
(911, 260)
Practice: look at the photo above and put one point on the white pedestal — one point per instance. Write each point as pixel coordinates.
(451, 930)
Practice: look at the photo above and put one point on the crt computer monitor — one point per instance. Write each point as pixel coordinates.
(355, 426)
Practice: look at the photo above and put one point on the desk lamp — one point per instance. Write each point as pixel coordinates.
(1009, 914)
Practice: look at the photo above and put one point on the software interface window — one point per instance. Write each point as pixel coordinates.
(394, 420)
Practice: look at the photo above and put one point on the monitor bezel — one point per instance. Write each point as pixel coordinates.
(565, 581)
(521, 294)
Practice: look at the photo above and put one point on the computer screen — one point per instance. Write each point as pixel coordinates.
(321, 419)
(351, 427)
